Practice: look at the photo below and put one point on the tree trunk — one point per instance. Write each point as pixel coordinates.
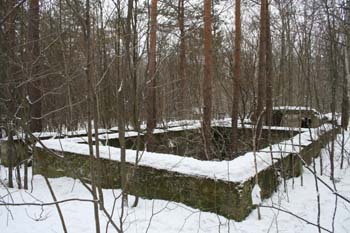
(207, 82)
(281, 97)
(10, 36)
(128, 65)
(182, 61)
(151, 98)
(97, 148)
(10, 156)
(258, 118)
(290, 77)
(18, 172)
(121, 127)
(121, 105)
(135, 99)
(269, 71)
(236, 79)
(345, 101)
(345, 97)
(89, 101)
(34, 88)
(333, 75)
(25, 176)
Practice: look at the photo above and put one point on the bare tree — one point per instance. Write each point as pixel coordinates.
(346, 77)
(90, 93)
(333, 73)
(269, 71)
(236, 78)
(182, 59)
(151, 84)
(208, 79)
(10, 36)
(262, 65)
(34, 88)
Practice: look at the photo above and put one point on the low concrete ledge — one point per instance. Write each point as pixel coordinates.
(230, 199)
(224, 196)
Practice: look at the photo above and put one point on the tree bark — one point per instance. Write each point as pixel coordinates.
(345, 97)
(207, 81)
(97, 149)
(290, 77)
(87, 37)
(151, 98)
(128, 65)
(121, 106)
(345, 101)
(10, 156)
(269, 71)
(182, 60)
(261, 68)
(18, 171)
(281, 97)
(333, 75)
(135, 93)
(236, 79)
(10, 36)
(34, 88)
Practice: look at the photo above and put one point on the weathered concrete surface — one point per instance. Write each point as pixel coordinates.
(189, 142)
(229, 199)
(232, 200)
(19, 151)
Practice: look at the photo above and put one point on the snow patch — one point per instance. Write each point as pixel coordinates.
(256, 197)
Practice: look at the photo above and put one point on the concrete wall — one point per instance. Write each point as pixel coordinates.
(232, 200)
(19, 150)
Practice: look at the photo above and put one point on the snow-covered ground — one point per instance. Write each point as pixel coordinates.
(163, 216)
(237, 170)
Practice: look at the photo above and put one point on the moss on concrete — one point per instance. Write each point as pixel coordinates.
(189, 143)
(232, 200)
(229, 199)
(19, 151)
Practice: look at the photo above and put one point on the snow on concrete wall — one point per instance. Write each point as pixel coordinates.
(223, 187)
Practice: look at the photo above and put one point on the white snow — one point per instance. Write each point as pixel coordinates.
(21, 135)
(296, 108)
(108, 136)
(337, 117)
(256, 197)
(48, 134)
(158, 216)
(237, 170)
(84, 132)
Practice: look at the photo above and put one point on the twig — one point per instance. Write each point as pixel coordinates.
(57, 206)
(301, 218)
(2, 203)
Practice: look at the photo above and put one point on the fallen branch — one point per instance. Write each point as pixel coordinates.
(297, 216)
(47, 203)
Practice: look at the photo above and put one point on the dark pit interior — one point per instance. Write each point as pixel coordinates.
(189, 143)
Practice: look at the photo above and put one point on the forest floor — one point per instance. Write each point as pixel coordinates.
(170, 217)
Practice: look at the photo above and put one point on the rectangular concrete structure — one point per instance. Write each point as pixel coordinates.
(226, 198)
